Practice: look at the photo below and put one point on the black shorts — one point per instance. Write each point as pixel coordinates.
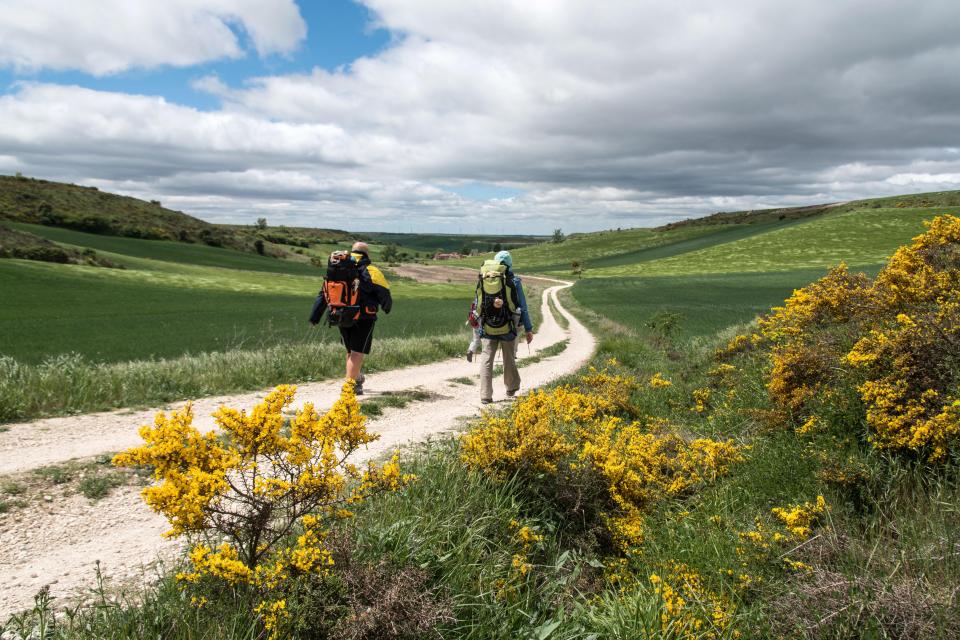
(359, 337)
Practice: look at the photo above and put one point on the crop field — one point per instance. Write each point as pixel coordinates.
(176, 298)
(862, 233)
(690, 305)
(699, 290)
(51, 310)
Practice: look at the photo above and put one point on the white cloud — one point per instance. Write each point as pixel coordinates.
(624, 112)
(951, 180)
(108, 36)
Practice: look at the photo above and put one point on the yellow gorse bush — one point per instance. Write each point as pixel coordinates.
(770, 542)
(582, 429)
(894, 341)
(254, 500)
(688, 609)
(799, 519)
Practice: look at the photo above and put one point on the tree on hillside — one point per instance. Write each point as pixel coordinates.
(577, 268)
(261, 224)
(258, 245)
(496, 246)
(390, 253)
(558, 236)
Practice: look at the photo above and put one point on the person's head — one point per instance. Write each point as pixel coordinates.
(361, 247)
(504, 258)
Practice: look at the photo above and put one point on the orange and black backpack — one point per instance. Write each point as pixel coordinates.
(341, 289)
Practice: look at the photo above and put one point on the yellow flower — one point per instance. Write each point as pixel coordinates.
(657, 381)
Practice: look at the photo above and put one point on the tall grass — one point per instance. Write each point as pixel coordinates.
(71, 384)
(157, 610)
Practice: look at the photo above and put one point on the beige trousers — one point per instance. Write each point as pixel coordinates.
(511, 375)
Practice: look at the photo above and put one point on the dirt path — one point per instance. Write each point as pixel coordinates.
(57, 542)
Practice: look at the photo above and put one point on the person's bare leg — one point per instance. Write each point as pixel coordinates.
(354, 364)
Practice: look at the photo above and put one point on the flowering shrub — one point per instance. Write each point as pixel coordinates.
(254, 501)
(581, 437)
(688, 609)
(799, 519)
(770, 542)
(528, 539)
(887, 350)
(701, 399)
(657, 381)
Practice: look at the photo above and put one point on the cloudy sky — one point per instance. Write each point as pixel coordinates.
(504, 115)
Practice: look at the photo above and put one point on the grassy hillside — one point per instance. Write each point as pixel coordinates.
(87, 209)
(859, 236)
(166, 251)
(862, 232)
(21, 244)
(431, 243)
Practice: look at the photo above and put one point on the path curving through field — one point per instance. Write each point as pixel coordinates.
(58, 542)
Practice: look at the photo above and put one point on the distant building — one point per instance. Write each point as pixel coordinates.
(447, 256)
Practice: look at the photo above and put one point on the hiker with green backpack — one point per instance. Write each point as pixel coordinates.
(502, 310)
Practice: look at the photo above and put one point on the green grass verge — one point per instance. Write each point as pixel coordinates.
(70, 384)
(373, 407)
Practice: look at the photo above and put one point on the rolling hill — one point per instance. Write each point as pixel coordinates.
(87, 209)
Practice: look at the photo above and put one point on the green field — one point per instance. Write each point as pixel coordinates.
(173, 299)
(699, 304)
(700, 279)
(116, 319)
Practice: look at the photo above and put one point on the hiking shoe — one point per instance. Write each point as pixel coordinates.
(469, 356)
(358, 387)
(486, 400)
(512, 393)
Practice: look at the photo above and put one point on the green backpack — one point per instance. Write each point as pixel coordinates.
(496, 281)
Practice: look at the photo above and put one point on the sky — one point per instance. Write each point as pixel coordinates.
(482, 116)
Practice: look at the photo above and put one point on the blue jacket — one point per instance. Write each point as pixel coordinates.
(524, 314)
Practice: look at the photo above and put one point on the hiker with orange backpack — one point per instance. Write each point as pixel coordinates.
(353, 291)
(502, 310)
